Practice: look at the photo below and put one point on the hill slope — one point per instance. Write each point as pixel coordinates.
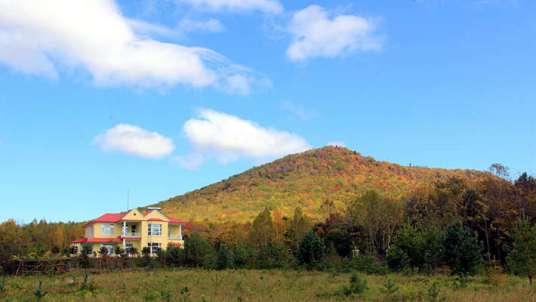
(306, 179)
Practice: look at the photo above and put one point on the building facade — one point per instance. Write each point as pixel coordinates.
(131, 231)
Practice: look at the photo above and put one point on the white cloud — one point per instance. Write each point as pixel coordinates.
(38, 37)
(134, 140)
(148, 29)
(229, 138)
(210, 25)
(318, 33)
(267, 6)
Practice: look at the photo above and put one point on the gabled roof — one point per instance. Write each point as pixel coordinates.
(118, 217)
(110, 217)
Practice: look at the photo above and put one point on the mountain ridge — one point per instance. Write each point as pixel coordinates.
(307, 179)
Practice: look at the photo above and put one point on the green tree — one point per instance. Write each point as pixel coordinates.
(297, 228)
(197, 251)
(312, 249)
(175, 256)
(415, 248)
(522, 258)
(463, 251)
(271, 256)
(262, 230)
(378, 216)
(103, 251)
(85, 252)
(225, 258)
(244, 255)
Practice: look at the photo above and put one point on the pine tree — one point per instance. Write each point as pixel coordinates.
(522, 258)
(312, 249)
(463, 252)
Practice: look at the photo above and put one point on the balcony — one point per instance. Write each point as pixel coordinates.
(131, 234)
(175, 237)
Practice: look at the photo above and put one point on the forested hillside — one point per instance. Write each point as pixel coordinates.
(318, 180)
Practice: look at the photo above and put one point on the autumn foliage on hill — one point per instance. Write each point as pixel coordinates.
(319, 181)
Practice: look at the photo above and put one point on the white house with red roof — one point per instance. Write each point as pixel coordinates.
(132, 231)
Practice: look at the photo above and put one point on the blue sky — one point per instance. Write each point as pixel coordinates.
(160, 98)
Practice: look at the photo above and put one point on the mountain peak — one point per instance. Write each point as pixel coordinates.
(305, 179)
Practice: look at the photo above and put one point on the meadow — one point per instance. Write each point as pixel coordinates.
(259, 285)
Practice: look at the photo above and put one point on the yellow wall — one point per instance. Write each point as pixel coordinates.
(95, 230)
(162, 239)
(134, 215)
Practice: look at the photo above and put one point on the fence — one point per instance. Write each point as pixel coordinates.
(63, 265)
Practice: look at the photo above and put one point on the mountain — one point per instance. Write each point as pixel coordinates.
(307, 179)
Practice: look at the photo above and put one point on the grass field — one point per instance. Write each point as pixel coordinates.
(251, 285)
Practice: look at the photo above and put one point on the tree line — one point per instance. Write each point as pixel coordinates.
(38, 239)
(453, 225)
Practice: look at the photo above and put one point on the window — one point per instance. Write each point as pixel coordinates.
(154, 247)
(129, 248)
(109, 248)
(107, 229)
(155, 229)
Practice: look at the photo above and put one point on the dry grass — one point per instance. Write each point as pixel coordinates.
(251, 285)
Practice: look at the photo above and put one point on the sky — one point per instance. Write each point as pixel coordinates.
(107, 104)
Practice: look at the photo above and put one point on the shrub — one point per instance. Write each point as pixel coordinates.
(433, 293)
(391, 291)
(161, 257)
(311, 250)
(175, 256)
(397, 259)
(39, 293)
(244, 255)
(198, 252)
(2, 284)
(118, 250)
(369, 265)
(87, 285)
(225, 258)
(103, 251)
(357, 286)
(83, 260)
(495, 275)
(146, 260)
(271, 256)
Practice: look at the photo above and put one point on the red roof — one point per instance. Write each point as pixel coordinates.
(110, 217)
(118, 217)
(178, 221)
(98, 240)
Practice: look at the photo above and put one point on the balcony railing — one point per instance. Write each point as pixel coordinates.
(174, 237)
(131, 234)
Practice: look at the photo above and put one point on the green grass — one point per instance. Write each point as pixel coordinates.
(252, 285)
